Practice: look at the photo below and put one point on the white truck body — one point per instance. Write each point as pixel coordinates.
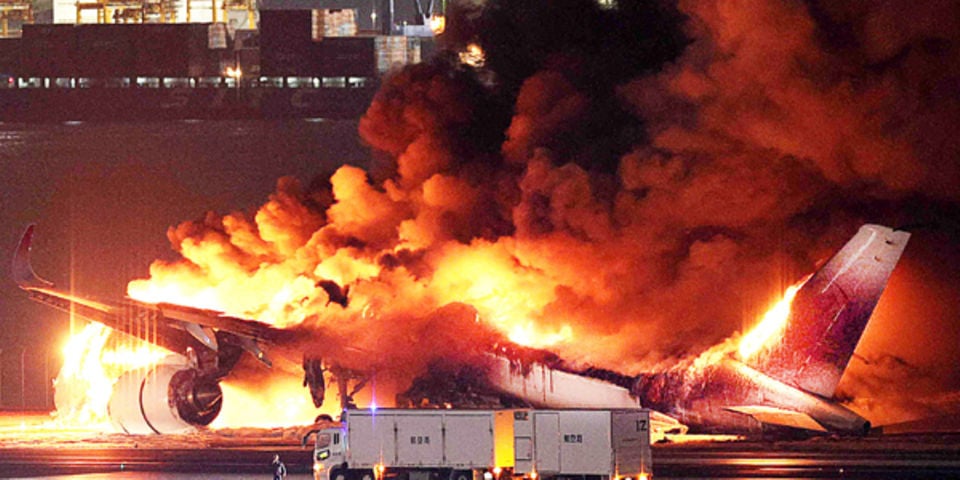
(494, 444)
(416, 438)
(604, 443)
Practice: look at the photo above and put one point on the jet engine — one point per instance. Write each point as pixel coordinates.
(170, 397)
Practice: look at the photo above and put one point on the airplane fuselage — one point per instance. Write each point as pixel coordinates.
(729, 396)
(789, 383)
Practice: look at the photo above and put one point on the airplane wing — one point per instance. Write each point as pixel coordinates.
(174, 397)
(174, 327)
(779, 416)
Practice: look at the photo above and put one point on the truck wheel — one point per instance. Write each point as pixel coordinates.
(366, 476)
(336, 473)
(461, 475)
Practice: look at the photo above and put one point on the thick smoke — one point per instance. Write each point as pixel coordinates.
(625, 186)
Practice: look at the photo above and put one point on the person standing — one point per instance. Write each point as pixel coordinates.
(279, 469)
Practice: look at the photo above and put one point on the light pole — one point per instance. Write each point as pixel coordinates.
(23, 378)
(46, 379)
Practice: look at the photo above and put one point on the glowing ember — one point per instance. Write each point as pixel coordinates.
(473, 56)
(770, 326)
(438, 23)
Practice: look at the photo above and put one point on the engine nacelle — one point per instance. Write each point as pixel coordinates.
(170, 397)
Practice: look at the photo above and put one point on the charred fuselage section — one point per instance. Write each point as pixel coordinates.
(728, 396)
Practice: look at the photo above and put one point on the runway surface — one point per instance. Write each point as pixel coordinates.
(840, 463)
(752, 460)
(248, 463)
(39, 450)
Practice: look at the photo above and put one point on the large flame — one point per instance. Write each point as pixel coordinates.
(623, 199)
(287, 268)
(93, 360)
(280, 402)
(91, 365)
(771, 325)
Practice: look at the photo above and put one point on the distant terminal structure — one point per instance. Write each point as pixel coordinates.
(16, 13)
(88, 59)
(387, 17)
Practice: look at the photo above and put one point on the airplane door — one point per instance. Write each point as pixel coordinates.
(546, 427)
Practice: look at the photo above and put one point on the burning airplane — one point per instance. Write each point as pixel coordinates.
(782, 374)
(787, 373)
(624, 188)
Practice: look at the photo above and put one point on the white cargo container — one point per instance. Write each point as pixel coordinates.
(488, 444)
(421, 444)
(611, 444)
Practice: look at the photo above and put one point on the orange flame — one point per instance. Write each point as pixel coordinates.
(438, 23)
(473, 56)
(771, 325)
(281, 403)
(90, 368)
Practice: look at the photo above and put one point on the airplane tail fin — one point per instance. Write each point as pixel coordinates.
(831, 310)
(21, 268)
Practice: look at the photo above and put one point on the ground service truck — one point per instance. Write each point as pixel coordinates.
(485, 444)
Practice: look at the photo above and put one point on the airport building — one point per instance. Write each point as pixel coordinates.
(70, 60)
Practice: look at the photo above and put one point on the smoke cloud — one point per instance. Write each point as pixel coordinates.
(623, 186)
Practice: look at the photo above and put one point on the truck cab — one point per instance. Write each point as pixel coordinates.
(328, 452)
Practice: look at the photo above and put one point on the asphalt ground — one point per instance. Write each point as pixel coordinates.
(38, 449)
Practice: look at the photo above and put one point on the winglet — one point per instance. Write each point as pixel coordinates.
(21, 269)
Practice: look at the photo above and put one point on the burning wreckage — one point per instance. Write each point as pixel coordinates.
(781, 374)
